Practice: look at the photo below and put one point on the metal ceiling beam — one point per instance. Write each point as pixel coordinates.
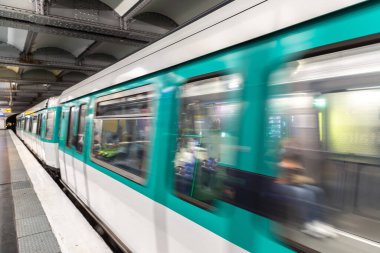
(29, 98)
(60, 75)
(10, 61)
(17, 108)
(30, 90)
(2, 102)
(20, 103)
(5, 22)
(129, 15)
(28, 20)
(40, 88)
(29, 43)
(20, 94)
(40, 6)
(23, 81)
(21, 99)
(89, 50)
(25, 54)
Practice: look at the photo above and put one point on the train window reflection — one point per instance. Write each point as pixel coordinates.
(121, 133)
(70, 128)
(34, 124)
(207, 136)
(325, 147)
(30, 124)
(39, 120)
(27, 124)
(79, 139)
(136, 104)
(123, 143)
(49, 125)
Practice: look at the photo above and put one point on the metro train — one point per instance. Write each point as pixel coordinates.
(177, 148)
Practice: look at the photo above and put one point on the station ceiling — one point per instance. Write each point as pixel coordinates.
(47, 46)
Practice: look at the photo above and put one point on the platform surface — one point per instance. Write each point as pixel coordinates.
(35, 215)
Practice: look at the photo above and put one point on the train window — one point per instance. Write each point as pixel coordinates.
(132, 105)
(26, 124)
(121, 134)
(30, 124)
(50, 125)
(79, 139)
(208, 133)
(70, 128)
(39, 120)
(323, 146)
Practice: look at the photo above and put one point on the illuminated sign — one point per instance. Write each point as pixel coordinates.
(6, 110)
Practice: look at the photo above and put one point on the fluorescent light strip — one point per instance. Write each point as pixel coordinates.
(357, 238)
(364, 88)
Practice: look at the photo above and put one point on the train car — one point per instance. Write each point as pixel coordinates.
(38, 128)
(183, 154)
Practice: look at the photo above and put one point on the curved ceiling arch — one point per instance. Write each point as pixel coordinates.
(7, 50)
(74, 76)
(99, 59)
(39, 74)
(157, 19)
(152, 22)
(181, 11)
(53, 54)
(72, 45)
(7, 73)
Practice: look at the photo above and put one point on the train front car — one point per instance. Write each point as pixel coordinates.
(38, 128)
(266, 146)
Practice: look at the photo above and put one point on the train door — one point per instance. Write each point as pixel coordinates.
(38, 136)
(33, 134)
(206, 150)
(79, 163)
(62, 138)
(69, 150)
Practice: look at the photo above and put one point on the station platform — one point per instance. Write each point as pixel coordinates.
(35, 215)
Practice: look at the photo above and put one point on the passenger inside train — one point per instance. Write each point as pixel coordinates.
(328, 161)
(302, 193)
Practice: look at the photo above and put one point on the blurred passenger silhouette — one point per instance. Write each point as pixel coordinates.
(302, 192)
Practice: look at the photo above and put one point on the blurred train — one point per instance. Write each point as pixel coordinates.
(249, 130)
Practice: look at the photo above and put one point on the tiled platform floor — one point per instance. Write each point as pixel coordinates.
(24, 227)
